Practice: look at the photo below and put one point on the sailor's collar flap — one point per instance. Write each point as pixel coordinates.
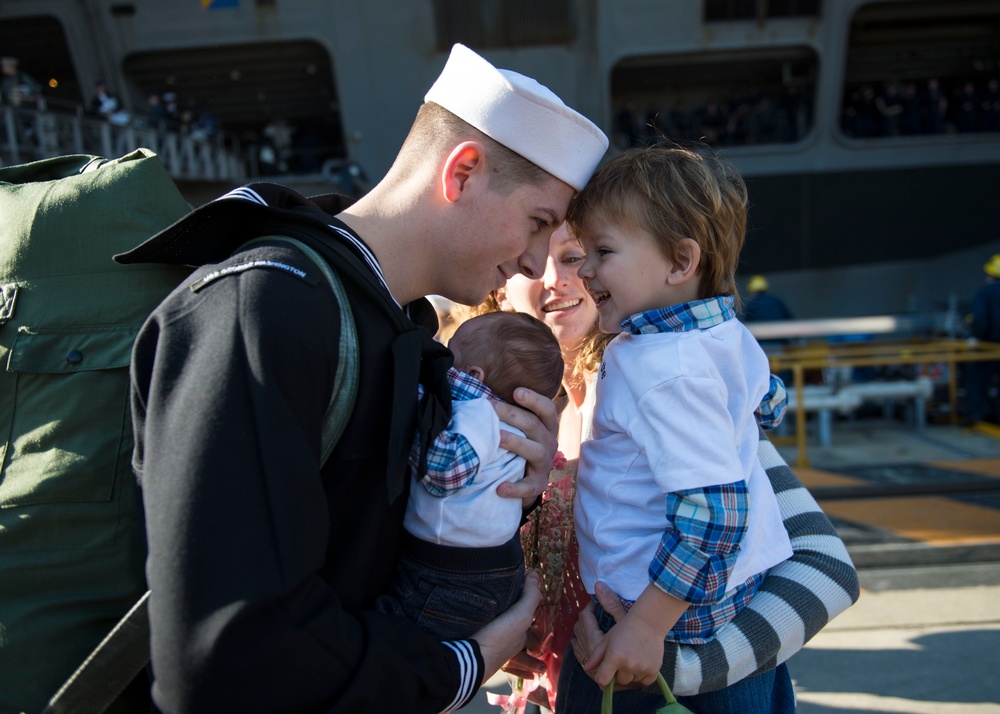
(212, 232)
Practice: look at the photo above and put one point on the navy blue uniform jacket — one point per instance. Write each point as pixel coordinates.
(263, 566)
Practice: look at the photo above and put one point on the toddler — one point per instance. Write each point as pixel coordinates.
(673, 510)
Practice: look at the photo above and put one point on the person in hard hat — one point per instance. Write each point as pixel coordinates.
(985, 326)
(762, 306)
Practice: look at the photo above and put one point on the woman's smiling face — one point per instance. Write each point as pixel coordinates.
(559, 298)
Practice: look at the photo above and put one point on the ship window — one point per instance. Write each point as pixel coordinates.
(279, 93)
(730, 10)
(39, 43)
(922, 68)
(485, 24)
(726, 10)
(723, 99)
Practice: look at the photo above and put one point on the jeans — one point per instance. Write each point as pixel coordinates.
(452, 592)
(770, 692)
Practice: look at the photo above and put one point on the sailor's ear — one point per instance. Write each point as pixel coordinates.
(464, 163)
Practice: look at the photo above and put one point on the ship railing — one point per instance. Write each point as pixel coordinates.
(29, 134)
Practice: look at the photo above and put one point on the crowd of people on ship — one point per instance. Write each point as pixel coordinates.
(929, 106)
(759, 116)
(783, 115)
(756, 115)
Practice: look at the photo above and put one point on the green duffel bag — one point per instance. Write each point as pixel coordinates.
(71, 535)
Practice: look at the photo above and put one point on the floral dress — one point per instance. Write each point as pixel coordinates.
(549, 541)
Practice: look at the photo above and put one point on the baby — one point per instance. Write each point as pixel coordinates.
(462, 563)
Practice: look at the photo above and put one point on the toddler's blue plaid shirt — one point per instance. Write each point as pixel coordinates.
(701, 315)
(699, 548)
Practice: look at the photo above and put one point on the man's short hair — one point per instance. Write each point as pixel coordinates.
(436, 130)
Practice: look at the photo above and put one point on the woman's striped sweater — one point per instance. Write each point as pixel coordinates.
(797, 599)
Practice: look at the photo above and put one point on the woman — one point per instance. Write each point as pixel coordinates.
(559, 299)
(803, 593)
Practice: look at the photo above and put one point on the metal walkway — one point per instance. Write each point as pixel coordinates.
(899, 496)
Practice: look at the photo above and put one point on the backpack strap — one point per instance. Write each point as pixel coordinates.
(123, 653)
(109, 668)
(345, 381)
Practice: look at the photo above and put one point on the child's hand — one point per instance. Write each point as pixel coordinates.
(634, 646)
(630, 653)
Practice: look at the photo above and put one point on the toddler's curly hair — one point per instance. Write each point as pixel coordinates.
(672, 193)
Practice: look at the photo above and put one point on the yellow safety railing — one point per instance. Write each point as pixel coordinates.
(819, 355)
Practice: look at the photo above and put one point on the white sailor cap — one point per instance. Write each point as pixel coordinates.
(521, 114)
